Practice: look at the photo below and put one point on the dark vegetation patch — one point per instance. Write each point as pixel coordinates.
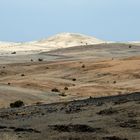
(13, 52)
(30, 130)
(2, 127)
(74, 79)
(83, 66)
(9, 83)
(65, 88)
(16, 104)
(40, 59)
(72, 109)
(19, 129)
(114, 138)
(121, 101)
(3, 73)
(114, 82)
(74, 128)
(62, 94)
(130, 124)
(22, 75)
(55, 90)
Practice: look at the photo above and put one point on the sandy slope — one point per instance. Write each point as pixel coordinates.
(99, 70)
(65, 40)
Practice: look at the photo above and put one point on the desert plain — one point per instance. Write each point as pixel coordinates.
(74, 87)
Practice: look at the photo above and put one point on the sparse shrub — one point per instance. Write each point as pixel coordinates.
(40, 59)
(114, 82)
(22, 74)
(62, 94)
(18, 103)
(39, 103)
(74, 79)
(13, 53)
(130, 46)
(83, 66)
(90, 97)
(66, 88)
(55, 90)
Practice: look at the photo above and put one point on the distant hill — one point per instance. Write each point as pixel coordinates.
(64, 40)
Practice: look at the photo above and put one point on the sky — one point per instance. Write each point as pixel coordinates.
(28, 20)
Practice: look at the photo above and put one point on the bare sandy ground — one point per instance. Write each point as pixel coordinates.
(77, 72)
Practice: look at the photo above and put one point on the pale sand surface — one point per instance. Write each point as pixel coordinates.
(62, 40)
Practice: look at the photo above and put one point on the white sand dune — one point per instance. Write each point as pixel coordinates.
(65, 40)
(62, 40)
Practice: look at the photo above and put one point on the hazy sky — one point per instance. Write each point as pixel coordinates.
(26, 20)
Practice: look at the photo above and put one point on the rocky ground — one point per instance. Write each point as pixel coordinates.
(106, 118)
